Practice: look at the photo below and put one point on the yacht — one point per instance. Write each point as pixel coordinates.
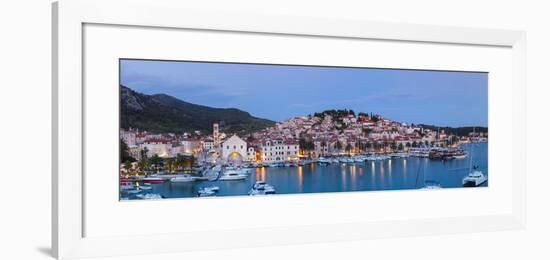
(183, 178)
(213, 188)
(431, 185)
(206, 193)
(149, 196)
(474, 179)
(232, 175)
(261, 188)
(359, 159)
(145, 187)
(460, 155)
(126, 186)
(399, 155)
(346, 160)
(323, 161)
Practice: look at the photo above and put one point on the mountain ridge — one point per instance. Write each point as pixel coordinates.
(162, 113)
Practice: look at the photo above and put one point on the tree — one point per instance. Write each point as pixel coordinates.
(393, 146)
(360, 146)
(302, 143)
(349, 148)
(454, 139)
(368, 145)
(170, 165)
(338, 145)
(155, 161)
(400, 147)
(125, 152)
(143, 165)
(128, 166)
(367, 131)
(143, 153)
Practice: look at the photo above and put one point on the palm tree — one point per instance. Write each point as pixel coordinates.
(323, 145)
(128, 166)
(143, 165)
(143, 153)
(338, 145)
(170, 165)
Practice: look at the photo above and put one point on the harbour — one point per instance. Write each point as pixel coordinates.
(387, 173)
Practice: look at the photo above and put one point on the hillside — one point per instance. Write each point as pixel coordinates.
(162, 113)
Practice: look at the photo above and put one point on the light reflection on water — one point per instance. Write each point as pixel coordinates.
(397, 173)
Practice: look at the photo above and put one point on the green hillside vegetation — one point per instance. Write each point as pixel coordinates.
(162, 113)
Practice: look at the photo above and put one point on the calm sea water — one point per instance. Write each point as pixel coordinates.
(394, 174)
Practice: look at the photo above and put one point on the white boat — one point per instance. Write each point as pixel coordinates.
(474, 179)
(460, 156)
(183, 178)
(126, 186)
(399, 155)
(346, 160)
(261, 188)
(359, 159)
(323, 160)
(262, 184)
(145, 187)
(213, 188)
(232, 175)
(149, 196)
(206, 193)
(431, 185)
(134, 191)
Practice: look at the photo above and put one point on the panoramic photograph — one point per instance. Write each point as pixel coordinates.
(192, 129)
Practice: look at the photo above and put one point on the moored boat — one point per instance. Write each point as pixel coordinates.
(232, 175)
(149, 196)
(474, 179)
(261, 188)
(153, 179)
(183, 178)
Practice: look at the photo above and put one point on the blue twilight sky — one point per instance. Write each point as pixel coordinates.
(279, 92)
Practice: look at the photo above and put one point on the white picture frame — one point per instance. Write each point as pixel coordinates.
(69, 19)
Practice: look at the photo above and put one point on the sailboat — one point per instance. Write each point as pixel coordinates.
(428, 184)
(475, 177)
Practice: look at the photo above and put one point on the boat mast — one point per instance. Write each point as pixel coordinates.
(472, 151)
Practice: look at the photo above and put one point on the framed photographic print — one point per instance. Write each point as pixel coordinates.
(202, 129)
(266, 133)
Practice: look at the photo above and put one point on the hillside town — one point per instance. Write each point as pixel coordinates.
(326, 134)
